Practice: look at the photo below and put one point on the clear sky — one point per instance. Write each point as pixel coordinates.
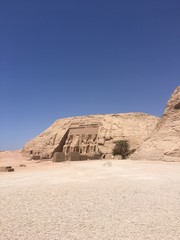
(61, 58)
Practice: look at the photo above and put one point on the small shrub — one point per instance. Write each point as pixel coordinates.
(121, 148)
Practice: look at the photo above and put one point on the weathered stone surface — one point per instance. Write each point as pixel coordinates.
(164, 142)
(58, 157)
(91, 135)
(73, 156)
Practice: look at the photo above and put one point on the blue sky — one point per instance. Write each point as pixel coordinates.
(62, 58)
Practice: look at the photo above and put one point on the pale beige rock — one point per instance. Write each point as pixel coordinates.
(100, 132)
(164, 142)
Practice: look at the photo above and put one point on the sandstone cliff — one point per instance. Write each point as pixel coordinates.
(164, 142)
(92, 134)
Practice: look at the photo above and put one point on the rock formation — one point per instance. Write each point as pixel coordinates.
(91, 135)
(164, 141)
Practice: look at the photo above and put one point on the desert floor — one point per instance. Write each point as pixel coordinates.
(102, 199)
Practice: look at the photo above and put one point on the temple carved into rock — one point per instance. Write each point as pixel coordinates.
(94, 136)
(91, 136)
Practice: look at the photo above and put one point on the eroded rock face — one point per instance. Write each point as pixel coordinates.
(164, 142)
(91, 135)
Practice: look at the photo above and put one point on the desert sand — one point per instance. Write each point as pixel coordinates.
(101, 200)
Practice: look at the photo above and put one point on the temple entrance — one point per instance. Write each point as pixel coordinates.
(82, 140)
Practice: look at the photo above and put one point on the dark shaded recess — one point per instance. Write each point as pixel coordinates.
(6, 169)
(45, 157)
(177, 106)
(61, 144)
(35, 157)
(91, 157)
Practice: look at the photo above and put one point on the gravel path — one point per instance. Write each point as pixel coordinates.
(125, 200)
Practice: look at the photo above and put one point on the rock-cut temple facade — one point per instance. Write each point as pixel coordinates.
(91, 136)
(94, 136)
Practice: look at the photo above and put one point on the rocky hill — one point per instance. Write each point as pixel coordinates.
(91, 135)
(164, 141)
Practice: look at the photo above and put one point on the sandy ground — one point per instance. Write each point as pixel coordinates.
(103, 200)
